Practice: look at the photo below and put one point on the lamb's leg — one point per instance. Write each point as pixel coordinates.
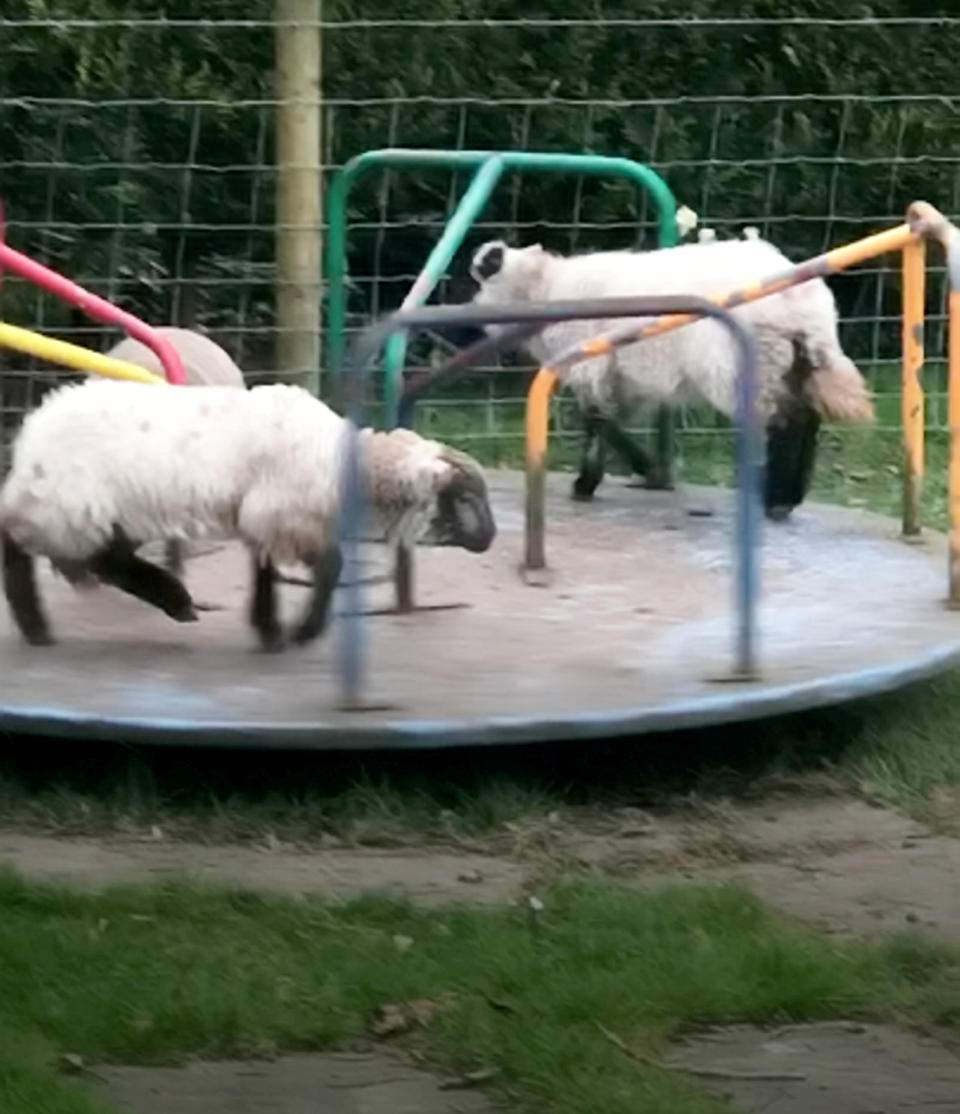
(638, 459)
(603, 433)
(791, 452)
(660, 475)
(118, 565)
(20, 586)
(173, 556)
(593, 461)
(76, 573)
(326, 573)
(175, 561)
(263, 605)
(403, 579)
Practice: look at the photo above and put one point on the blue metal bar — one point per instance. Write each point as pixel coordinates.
(419, 385)
(373, 338)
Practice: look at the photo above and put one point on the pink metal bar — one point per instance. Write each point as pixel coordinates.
(94, 306)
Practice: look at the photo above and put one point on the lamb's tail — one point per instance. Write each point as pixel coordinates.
(837, 390)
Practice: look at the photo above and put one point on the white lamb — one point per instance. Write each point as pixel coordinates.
(205, 364)
(804, 374)
(101, 467)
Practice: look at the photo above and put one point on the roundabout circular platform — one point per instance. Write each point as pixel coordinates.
(633, 634)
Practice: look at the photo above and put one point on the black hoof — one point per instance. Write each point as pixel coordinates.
(200, 605)
(273, 643)
(302, 637)
(40, 638)
(584, 487)
(779, 514)
(660, 483)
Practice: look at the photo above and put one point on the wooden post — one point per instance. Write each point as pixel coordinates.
(299, 191)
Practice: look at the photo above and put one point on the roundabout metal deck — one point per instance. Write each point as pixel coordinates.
(633, 634)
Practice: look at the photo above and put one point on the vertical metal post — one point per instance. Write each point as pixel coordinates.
(538, 416)
(953, 267)
(749, 515)
(299, 189)
(664, 472)
(914, 282)
(352, 647)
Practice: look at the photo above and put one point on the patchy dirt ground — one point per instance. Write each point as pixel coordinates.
(845, 1068)
(839, 863)
(328, 1083)
(840, 1068)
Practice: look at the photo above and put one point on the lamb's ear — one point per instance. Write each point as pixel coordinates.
(464, 515)
(488, 260)
(459, 469)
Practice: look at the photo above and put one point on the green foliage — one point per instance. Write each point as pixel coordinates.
(147, 158)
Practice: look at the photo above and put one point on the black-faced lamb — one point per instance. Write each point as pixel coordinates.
(804, 374)
(101, 467)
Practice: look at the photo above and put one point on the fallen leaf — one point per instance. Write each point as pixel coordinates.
(394, 1018)
(469, 1079)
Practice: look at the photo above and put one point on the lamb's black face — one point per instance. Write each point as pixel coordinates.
(463, 515)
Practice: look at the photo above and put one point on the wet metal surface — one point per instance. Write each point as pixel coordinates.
(635, 632)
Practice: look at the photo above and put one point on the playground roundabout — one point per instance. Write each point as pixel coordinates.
(630, 631)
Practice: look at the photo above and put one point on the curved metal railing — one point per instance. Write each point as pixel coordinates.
(528, 318)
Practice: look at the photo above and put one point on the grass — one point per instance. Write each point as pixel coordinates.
(150, 975)
(902, 749)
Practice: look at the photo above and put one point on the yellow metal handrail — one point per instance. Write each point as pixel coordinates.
(72, 355)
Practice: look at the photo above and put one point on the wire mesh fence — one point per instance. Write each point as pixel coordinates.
(137, 156)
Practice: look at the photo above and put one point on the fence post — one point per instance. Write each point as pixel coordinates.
(299, 188)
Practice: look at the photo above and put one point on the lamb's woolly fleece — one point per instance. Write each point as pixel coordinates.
(205, 363)
(262, 465)
(698, 361)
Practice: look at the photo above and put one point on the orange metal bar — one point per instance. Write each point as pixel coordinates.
(901, 237)
(849, 255)
(912, 403)
(953, 411)
(538, 418)
(838, 259)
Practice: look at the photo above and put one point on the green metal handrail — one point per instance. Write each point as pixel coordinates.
(489, 167)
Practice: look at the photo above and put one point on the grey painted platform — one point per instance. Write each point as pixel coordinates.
(632, 636)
